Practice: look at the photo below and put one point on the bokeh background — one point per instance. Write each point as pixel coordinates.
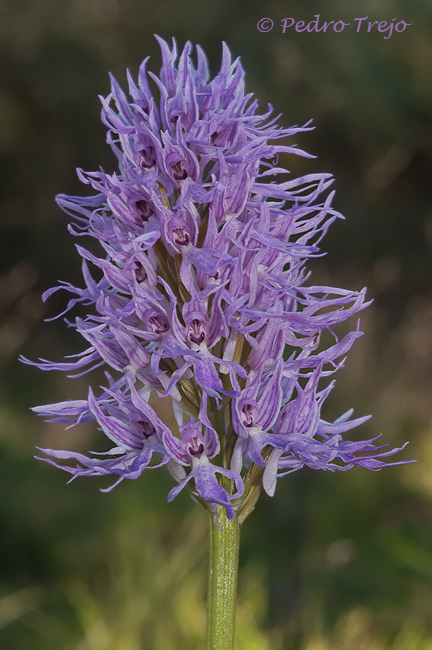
(341, 561)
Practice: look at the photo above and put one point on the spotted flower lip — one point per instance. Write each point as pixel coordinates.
(201, 293)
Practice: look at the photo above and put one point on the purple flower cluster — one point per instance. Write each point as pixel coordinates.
(201, 294)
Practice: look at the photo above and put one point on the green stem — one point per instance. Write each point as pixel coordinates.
(222, 587)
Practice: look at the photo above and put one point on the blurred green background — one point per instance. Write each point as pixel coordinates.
(341, 561)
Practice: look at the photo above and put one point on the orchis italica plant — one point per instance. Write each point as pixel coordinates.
(202, 296)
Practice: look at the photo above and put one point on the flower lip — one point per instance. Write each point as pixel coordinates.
(147, 157)
(140, 272)
(144, 209)
(248, 414)
(195, 447)
(147, 429)
(197, 331)
(158, 323)
(181, 237)
(179, 171)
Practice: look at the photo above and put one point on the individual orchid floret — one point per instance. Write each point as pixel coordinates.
(200, 292)
(136, 439)
(195, 449)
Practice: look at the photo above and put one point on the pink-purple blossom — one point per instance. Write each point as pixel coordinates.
(202, 293)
